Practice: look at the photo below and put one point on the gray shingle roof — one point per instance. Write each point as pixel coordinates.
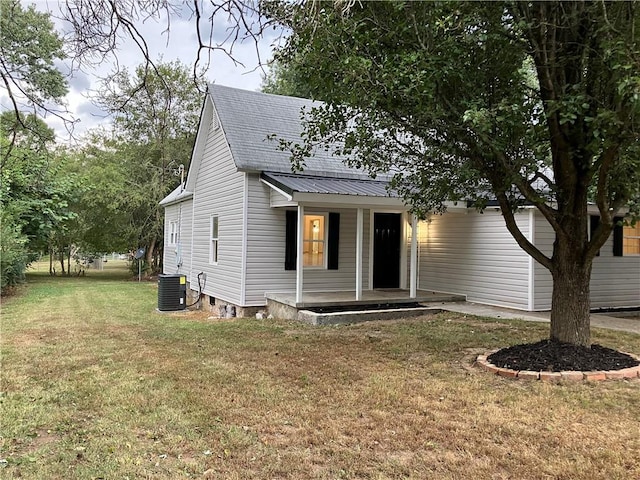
(291, 183)
(248, 118)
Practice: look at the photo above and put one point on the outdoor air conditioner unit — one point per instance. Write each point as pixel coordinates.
(172, 292)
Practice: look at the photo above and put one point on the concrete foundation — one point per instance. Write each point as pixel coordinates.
(356, 316)
(220, 307)
(283, 306)
(281, 310)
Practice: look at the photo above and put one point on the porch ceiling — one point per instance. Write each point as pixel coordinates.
(369, 297)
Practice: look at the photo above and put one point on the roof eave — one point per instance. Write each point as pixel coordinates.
(168, 200)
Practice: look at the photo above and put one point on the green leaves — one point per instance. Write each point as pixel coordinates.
(130, 170)
(36, 195)
(29, 47)
(472, 81)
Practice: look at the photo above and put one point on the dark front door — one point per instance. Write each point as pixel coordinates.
(386, 250)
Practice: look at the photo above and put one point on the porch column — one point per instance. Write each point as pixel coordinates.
(414, 257)
(359, 236)
(300, 254)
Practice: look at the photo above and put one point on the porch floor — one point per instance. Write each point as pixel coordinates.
(369, 297)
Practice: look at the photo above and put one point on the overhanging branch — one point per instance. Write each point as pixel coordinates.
(517, 234)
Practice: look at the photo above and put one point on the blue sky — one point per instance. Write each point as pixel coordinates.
(179, 43)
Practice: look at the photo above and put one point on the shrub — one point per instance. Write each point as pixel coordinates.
(14, 257)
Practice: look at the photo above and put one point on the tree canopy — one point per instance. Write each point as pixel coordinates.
(29, 48)
(135, 166)
(36, 195)
(521, 103)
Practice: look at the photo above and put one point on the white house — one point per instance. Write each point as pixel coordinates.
(254, 230)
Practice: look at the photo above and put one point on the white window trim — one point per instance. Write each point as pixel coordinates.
(173, 233)
(213, 259)
(632, 237)
(325, 241)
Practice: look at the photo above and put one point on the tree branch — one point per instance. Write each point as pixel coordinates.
(517, 234)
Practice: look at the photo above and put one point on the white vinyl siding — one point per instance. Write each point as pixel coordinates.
(266, 249)
(218, 188)
(543, 285)
(615, 281)
(474, 255)
(169, 256)
(179, 215)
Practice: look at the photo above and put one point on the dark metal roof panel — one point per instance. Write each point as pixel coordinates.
(291, 183)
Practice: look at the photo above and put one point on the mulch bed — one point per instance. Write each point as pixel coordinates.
(548, 356)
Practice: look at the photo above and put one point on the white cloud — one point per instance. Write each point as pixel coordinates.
(177, 43)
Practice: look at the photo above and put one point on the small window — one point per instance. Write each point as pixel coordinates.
(314, 242)
(213, 247)
(631, 240)
(173, 233)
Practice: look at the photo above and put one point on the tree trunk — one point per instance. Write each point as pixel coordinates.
(150, 252)
(51, 270)
(570, 302)
(61, 259)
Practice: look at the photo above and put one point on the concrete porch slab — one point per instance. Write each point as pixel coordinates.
(357, 316)
(369, 297)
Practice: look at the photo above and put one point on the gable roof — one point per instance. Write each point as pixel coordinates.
(249, 118)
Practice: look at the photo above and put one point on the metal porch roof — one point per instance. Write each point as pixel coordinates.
(291, 183)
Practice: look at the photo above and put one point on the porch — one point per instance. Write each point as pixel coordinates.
(379, 239)
(319, 308)
(369, 297)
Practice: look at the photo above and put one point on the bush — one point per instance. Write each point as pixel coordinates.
(14, 257)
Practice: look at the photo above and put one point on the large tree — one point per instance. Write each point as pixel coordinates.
(36, 194)
(155, 120)
(29, 48)
(521, 102)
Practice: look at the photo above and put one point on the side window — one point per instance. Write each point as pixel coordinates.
(626, 239)
(313, 246)
(213, 245)
(631, 240)
(173, 233)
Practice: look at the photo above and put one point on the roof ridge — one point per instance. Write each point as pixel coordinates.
(257, 92)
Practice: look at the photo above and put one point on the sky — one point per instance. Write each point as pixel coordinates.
(180, 43)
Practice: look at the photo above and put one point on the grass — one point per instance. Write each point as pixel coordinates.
(97, 384)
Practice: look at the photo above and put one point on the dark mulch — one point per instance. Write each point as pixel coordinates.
(548, 356)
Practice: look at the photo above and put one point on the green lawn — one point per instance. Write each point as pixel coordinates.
(97, 384)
